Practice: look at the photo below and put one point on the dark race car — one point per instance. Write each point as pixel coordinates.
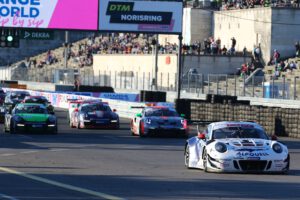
(95, 115)
(30, 117)
(159, 120)
(11, 99)
(41, 100)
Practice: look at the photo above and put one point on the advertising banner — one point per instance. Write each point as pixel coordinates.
(140, 16)
(54, 14)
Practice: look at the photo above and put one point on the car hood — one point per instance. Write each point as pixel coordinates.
(34, 117)
(99, 114)
(164, 119)
(251, 143)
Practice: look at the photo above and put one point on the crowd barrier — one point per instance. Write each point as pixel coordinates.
(60, 100)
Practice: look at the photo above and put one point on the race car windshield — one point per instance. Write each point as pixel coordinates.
(239, 132)
(31, 109)
(161, 112)
(18, 95)
(36, 100)
(96, 107)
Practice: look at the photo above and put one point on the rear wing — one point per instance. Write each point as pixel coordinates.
(200, 123)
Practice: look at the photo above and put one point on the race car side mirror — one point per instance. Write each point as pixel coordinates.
(274, 137)
(114, 110)
(182, 115)
(201, 136)
(139, 115)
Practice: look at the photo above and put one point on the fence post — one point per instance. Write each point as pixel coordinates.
(244, 85)
(253, 87)
(234, 85)
(143, 80)
(217, 84)
(125, 80)
(115, 85)
(168, 81)
(99, 79)
(120, 78)
(283, 89)
(273, 83)
(188, 82)
(137, 80)
(161, 81)
(131, 79)
(149, 82)
(208, 80)
(226, 88)
(295, 87)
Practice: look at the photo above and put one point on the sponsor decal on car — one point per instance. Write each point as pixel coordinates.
(251, 154)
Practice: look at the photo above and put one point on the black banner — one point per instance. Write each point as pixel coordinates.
(141, 17)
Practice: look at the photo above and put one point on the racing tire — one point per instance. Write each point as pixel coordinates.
(288, 166)
(205, 160)
(187, 157)
(78, 125)
(141, 132)
(71, 124)
(12, 129)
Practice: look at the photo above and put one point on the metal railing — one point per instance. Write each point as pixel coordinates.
(223, 84)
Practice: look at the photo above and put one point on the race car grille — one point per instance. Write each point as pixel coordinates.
(253, 165)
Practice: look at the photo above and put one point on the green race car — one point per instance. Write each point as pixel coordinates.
(30, 117)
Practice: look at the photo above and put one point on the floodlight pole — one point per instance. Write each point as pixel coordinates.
(179, 66)
(66, 45)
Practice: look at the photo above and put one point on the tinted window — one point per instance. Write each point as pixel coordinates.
(161, 112)
(239, 132)
(96, 107)
(34, 109)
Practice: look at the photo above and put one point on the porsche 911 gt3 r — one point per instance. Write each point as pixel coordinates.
(159, 120)
(236, 147)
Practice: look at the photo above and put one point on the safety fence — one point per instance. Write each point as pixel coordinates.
(223, 84)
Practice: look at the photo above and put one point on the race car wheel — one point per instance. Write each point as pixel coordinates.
(5, 129)
(12, 129)
(187, 157)
(131, 128)
(142, 130)
(205, 157)
(78, 125)
(71, 124)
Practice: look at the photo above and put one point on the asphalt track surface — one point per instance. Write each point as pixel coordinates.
(112, 164)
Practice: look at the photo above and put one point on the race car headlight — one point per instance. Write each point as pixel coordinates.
(148, 121)
(277, 148)
(220, 147)
(52, 119)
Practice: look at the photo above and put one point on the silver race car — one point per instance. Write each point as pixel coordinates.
(236, 147)
(159, 120)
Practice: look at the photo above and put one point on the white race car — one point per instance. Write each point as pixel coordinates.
(236, 147)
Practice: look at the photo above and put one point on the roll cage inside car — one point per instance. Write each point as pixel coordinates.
(239, 132)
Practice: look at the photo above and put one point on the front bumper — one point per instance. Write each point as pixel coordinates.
(36, 127)
(248, 166)
(101, 124)
(166, 131)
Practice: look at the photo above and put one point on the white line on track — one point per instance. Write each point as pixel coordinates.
(4, 196)
(25, 152)
(8, 154)
(61, 185)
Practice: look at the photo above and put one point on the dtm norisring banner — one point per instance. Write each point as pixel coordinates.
(140, 16)
(54, 14)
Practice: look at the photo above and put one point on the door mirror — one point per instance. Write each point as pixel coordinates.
(201, 136)
(114, 110)
(139, 115)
